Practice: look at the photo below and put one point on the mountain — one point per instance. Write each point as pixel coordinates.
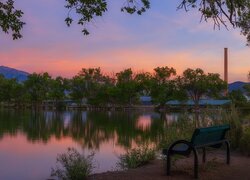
(10, 73)
(237, 85)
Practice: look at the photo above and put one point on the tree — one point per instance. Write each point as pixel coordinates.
(10, 19)
(126, 87)
(237, 97)
(236, 12)
(37, 87)
(57, 89)
(247, 86)
(10, 90)
(93, 80)
(90, 84)
(198, 84)
(77, 88)
(144, 82)
(163, 87)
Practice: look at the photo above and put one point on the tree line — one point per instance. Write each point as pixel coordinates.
(123, 88)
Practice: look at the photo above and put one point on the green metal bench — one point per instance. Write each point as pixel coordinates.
(202, 137)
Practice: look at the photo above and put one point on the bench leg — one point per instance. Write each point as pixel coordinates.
(195, 163)
(204, 155)
(228, 152)
(168, 164)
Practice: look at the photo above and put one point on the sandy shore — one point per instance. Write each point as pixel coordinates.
(214, 168)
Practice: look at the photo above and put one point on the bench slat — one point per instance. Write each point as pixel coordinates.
(207, 135)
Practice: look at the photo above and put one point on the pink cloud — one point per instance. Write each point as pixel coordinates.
(141, 58)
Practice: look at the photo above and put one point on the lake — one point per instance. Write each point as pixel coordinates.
(30, 141)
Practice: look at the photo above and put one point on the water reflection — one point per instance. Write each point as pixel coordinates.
(89, 129)
(144, 123)
(35, 138)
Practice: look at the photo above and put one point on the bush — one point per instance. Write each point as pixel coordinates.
(233, 119)
(184, 127)
(245, 142)
(136, 157)
(180, 129)
(72, 165)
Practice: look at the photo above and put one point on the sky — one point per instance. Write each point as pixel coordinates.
(163, 36)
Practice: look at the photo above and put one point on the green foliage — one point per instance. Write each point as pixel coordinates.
(144, 83)
(236, 12)
(77, 88)
(92, 85)
(37, 87)
(210, 117)
(57, 88)
(86, 11)
(184, 127)
(10, 19)
(73, 166)
(247, 86)
(245, 141)
(134, 6)
(93, 81)
(127, 87)
(232, 118)
(180, 129)
(136, 157)
(10, 90)
(198, 84)
(162, 88)
(238, 98)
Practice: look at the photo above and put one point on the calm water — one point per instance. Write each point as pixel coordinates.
(30, 142)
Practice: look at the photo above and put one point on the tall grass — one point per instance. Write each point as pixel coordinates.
(136, 157)
(232, 118)
(184, 127)
(245, 141)
(180, 129)
(73, 166)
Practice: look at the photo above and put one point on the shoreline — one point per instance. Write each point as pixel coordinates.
(183, 169)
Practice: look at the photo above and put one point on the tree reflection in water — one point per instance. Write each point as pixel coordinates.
(88, 129)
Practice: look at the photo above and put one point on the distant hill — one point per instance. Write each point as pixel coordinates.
(237, 85)
(10, 73)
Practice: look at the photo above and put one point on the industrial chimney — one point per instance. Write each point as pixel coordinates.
(226, 68)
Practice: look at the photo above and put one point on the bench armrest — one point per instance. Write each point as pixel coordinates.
(181, 142)
(180, 151)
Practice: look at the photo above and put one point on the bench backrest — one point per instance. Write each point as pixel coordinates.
(202, 136)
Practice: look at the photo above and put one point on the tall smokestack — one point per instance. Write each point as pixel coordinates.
(226, 68)
(226, 65)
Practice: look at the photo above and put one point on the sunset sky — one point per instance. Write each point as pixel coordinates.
(162, 36)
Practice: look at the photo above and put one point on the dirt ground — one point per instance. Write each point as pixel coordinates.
(214, 168)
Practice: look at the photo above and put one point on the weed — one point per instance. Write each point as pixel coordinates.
(245, 141)
(136, 157)
(72, 165)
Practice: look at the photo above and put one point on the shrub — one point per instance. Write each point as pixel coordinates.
(72, 165)
(136, 157)
(180, 129)
(235, 134)
(184, 127)
(245, 142)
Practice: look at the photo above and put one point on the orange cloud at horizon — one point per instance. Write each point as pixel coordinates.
(139, 59)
